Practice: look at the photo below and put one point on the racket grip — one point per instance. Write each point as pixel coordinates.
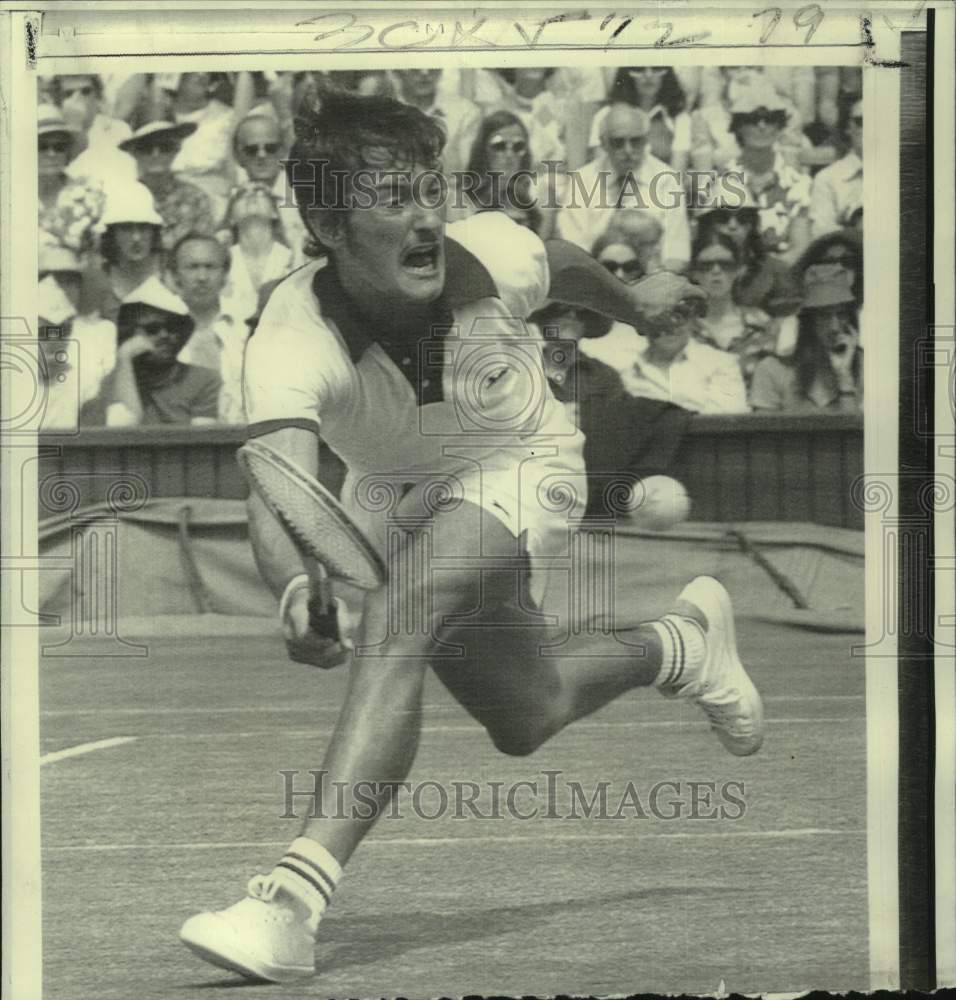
(323, 617)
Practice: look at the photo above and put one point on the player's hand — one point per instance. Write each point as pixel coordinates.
(664, 300)
(311, 633)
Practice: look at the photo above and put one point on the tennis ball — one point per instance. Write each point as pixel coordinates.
(659, 503)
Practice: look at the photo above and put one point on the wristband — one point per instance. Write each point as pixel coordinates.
(296, 583)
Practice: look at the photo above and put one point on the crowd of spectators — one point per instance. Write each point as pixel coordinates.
(164, 211)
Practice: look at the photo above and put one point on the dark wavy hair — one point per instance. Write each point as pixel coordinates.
(342, 134)
(489, 195)
(671, 95)
(753, 252)
(810, 356)
(715, 239)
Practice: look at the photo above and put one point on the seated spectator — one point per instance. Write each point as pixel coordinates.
(745, 331)
(96, 158)
(130, 249)
(625, 438)
(184, 207)
(763, 281)
(68, 209)
(781, 193)
(205, 157)
(257, 253)
(149, 385)
(825, 371)
(625, 175)
(259, 151)
(526, 94)
(714, 145)
(843, 248)
(671, 365)
(499, 168)
(199, 266)
(617, 255)
(458, 117)
(640, 232)
(77, 352)
(837, 190)
(657, 92)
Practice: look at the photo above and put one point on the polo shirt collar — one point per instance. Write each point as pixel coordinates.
(466, 281)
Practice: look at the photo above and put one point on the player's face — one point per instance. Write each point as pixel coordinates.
(396, 248)
(258, 146)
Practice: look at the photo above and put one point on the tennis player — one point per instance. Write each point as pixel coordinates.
(405, 348)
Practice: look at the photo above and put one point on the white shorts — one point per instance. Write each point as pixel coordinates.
(540, 503)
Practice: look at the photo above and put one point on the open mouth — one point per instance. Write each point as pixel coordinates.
(422, 260)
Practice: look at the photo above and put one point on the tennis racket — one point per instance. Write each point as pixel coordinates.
(313, 518)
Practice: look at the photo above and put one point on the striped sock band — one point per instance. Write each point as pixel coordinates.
(684, 649)
(317, 872)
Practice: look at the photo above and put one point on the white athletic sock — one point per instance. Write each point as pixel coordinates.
(684, 650)
(312, 873)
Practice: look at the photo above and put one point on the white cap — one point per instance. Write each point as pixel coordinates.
(130, 202)
(50, 120)
(152, 292)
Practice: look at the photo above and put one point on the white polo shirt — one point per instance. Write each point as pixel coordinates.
(469, 400)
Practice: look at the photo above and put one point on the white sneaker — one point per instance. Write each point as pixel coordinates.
(723, 690)
(268, 935)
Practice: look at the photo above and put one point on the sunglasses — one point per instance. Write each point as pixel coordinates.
(503, 146)
(620, 142)
(260, 148)
(155, 328)
(163, 148)
(775, 118)
(708, 265)
(54, 146)
(629, 270)
(82, 91)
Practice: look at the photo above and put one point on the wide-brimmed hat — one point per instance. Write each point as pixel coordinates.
(152, 292)
(155, 295)
(827, 285)
(130, 202)
(57, 257)
(50, 121)
(157, 131)
(751, 99)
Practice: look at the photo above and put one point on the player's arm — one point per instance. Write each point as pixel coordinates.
(577, 279)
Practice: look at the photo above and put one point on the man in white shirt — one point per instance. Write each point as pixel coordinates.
(625, 175)
(259, 151)
(408, 351)
(837, 191)
(199, 266)
(672, 367)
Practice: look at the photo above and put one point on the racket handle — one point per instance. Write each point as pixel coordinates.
(323, 617)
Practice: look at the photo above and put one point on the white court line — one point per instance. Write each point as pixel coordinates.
(278, 709)
(797, 834)
(82, 748)
(476, 729)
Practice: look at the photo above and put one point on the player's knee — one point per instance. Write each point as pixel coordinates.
(518, 739)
